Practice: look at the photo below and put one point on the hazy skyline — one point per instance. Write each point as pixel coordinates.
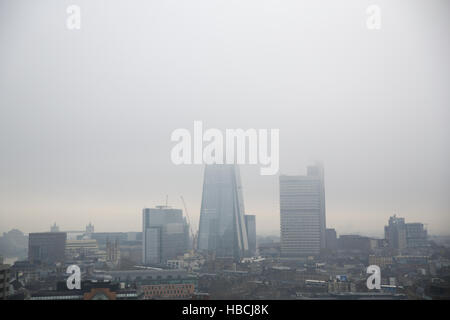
(86, 115)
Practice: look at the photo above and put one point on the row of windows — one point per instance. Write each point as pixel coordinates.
(170, 286)
(167, 292)
(139, 278)
(177, 290)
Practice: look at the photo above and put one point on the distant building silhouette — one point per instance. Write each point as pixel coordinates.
(331, 239)
(103, 237)
(400, 235)
(47, 247)
(354, 243)
(395, 233)
(54, 228)
(89, 229)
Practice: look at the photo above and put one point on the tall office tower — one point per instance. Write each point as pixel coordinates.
(250, 225)
(222, 224)
(47, 247)
(302, 213)
(165, 234)
(395, 233)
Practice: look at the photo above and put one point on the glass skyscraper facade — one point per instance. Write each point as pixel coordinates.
(222, 224)
(250, 223)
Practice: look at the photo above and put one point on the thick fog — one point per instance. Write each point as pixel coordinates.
(86, 115)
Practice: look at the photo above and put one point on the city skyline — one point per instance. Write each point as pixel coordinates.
(195, 222)
(234, 158)
(343, 228)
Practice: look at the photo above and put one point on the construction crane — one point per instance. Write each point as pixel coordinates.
(189, 222)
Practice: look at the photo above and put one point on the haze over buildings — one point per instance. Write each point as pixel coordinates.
(214, 108)
(86, 115)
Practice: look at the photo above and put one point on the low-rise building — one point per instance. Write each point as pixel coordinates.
(90, 290)
(158, 284)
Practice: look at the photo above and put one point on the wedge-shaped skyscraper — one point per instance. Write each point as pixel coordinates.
(222, 222)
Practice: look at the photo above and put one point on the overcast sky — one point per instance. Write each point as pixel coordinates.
(86, 115)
